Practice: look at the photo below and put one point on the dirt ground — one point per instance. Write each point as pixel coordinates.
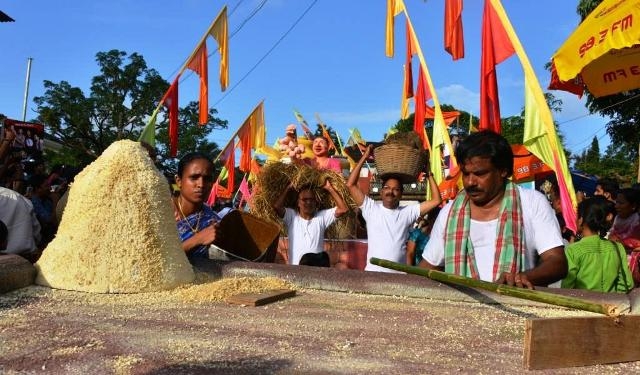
(316, 332)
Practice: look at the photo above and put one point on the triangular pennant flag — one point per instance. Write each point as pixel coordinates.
(220, 32)
(198, 64)
(303, 123)
(148, 134)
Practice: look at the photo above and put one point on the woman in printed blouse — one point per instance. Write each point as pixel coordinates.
(196, 222)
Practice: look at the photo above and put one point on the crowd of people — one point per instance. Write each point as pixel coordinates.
(29, 192)
(493, 230)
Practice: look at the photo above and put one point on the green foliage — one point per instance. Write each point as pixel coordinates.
(120, 100)
(191, 137)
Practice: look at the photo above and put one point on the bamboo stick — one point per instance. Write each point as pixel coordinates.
(511, 291)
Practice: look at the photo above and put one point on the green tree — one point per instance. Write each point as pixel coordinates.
(589, 160)
(334, 137)
(119, 103)
(191, 137)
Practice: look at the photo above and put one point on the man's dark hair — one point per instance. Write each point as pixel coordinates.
(316, 260)
(609, 185)
(487, 144)
(36, 181)
(388, 177)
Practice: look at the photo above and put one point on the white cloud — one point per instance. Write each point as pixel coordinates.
(460, 97)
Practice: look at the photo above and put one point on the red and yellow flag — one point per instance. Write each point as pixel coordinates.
(540, 136)
(496, 47)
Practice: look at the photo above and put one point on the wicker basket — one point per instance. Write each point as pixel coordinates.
(400, 161)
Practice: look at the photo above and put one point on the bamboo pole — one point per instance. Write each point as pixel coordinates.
(511, 291)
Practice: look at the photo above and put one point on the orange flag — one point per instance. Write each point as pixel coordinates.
(245, 148)
(449, 117)
(496, 47)
(252, 136)
(220, 32)
(170, 101)
(453, 35)
(394, 7)
(199, 65)
(422, 95)
(229, 159)
(407, 91)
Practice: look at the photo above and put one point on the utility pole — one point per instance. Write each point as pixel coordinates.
(26, 90)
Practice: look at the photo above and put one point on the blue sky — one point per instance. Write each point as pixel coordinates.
(331, 63)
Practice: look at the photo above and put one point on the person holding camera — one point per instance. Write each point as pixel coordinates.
(44, 198)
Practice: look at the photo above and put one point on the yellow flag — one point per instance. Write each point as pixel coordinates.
(394, 7)
(220, 32)
(540, 136)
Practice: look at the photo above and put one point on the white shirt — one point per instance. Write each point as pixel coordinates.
(17, 213)
(306, 236)
(387, 231)
(541, 232)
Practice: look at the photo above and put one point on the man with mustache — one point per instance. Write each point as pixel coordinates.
(388, 223)
(494, 230)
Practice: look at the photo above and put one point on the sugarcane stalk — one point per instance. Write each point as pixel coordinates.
(511, 291)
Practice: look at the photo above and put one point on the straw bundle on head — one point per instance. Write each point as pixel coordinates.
(276, 177)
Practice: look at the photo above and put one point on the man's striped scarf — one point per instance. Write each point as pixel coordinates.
(510, 241)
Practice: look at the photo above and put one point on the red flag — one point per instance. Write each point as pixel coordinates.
(230, 164)
(422, 95)
(453, 35)
(573, 86)
(213, 195)
(408, 74)
(170, 101)
(496, 47)
(199, 65)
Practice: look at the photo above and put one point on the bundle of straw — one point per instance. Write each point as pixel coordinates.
(275, 177)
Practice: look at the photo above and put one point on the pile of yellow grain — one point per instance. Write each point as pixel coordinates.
(118, 232)
(222, 289)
